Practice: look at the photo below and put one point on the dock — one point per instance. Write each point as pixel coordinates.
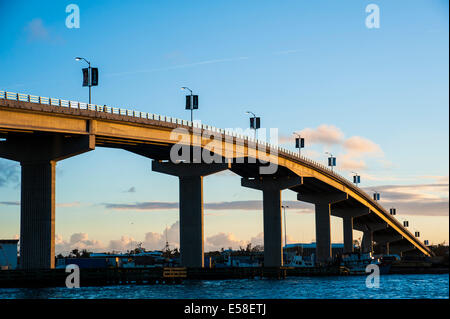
(158, 275)
(174, 275)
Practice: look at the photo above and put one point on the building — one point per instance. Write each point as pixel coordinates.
(8, 254)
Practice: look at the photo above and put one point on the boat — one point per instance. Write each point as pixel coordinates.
(356, 263)
(299, 261)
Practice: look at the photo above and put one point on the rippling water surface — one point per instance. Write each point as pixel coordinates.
(391, 287)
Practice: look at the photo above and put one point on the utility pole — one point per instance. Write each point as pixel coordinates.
(285, 230)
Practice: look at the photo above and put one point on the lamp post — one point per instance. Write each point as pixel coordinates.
(191, 102)
(89, 83)
(285, 235)
(331, 160)
(376, 196)
(255, 122)
(299, 143)
(356, 178)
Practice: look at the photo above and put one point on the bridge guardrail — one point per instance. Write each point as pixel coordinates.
(131, 113)
(126, 112)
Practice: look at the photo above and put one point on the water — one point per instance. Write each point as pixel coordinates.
(391, 287)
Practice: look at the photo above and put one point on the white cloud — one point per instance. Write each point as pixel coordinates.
(123, 244)
(349, 162)
(361, 145)
(157, 241)
(77, 241)
(324, 134)
(352, 152)
(223, 240)
(257, 240)
(36, 30)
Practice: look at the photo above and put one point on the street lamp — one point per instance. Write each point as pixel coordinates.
(331, 160)
(299, 143)
(255, 122)
(191, 102)
(90, 76)
(284, 211)
(356, 178)
(376, 196)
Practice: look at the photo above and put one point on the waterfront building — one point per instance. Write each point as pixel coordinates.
(8, 254)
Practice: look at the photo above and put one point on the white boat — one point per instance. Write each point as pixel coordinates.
(299, 261)
(356, 263)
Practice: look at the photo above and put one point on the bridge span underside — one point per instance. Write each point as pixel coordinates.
(38, 136)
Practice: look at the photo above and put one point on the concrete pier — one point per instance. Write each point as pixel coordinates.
(348, 234)
(37, 215)
(273, 234)
(323, 204)
(400, 247)
(387, 250)
(191, 221)
(367, 241)
(191, 206)
(348, 216)
(38, 155)
(323, 232)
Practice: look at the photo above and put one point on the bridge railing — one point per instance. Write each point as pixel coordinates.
(126, 112)
(131, 113)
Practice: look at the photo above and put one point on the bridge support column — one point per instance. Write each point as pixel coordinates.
(386, 249)
(348, 234)
(37, 215)
(323, 232)
(385, 240)
(367, 241)
(323, 203)
(348, 216)
(401, 247)
(273, 233)
(191, 206)
(38, 155)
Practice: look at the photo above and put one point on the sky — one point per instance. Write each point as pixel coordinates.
(377, 98)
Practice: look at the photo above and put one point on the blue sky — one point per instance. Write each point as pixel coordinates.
(376, 98)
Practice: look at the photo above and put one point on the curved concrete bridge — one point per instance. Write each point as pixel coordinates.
(38, 132)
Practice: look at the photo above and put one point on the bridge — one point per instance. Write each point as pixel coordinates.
(39, 131)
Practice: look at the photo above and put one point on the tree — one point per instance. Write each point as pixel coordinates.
(258, 248)
(75, 253)
(85, 253)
